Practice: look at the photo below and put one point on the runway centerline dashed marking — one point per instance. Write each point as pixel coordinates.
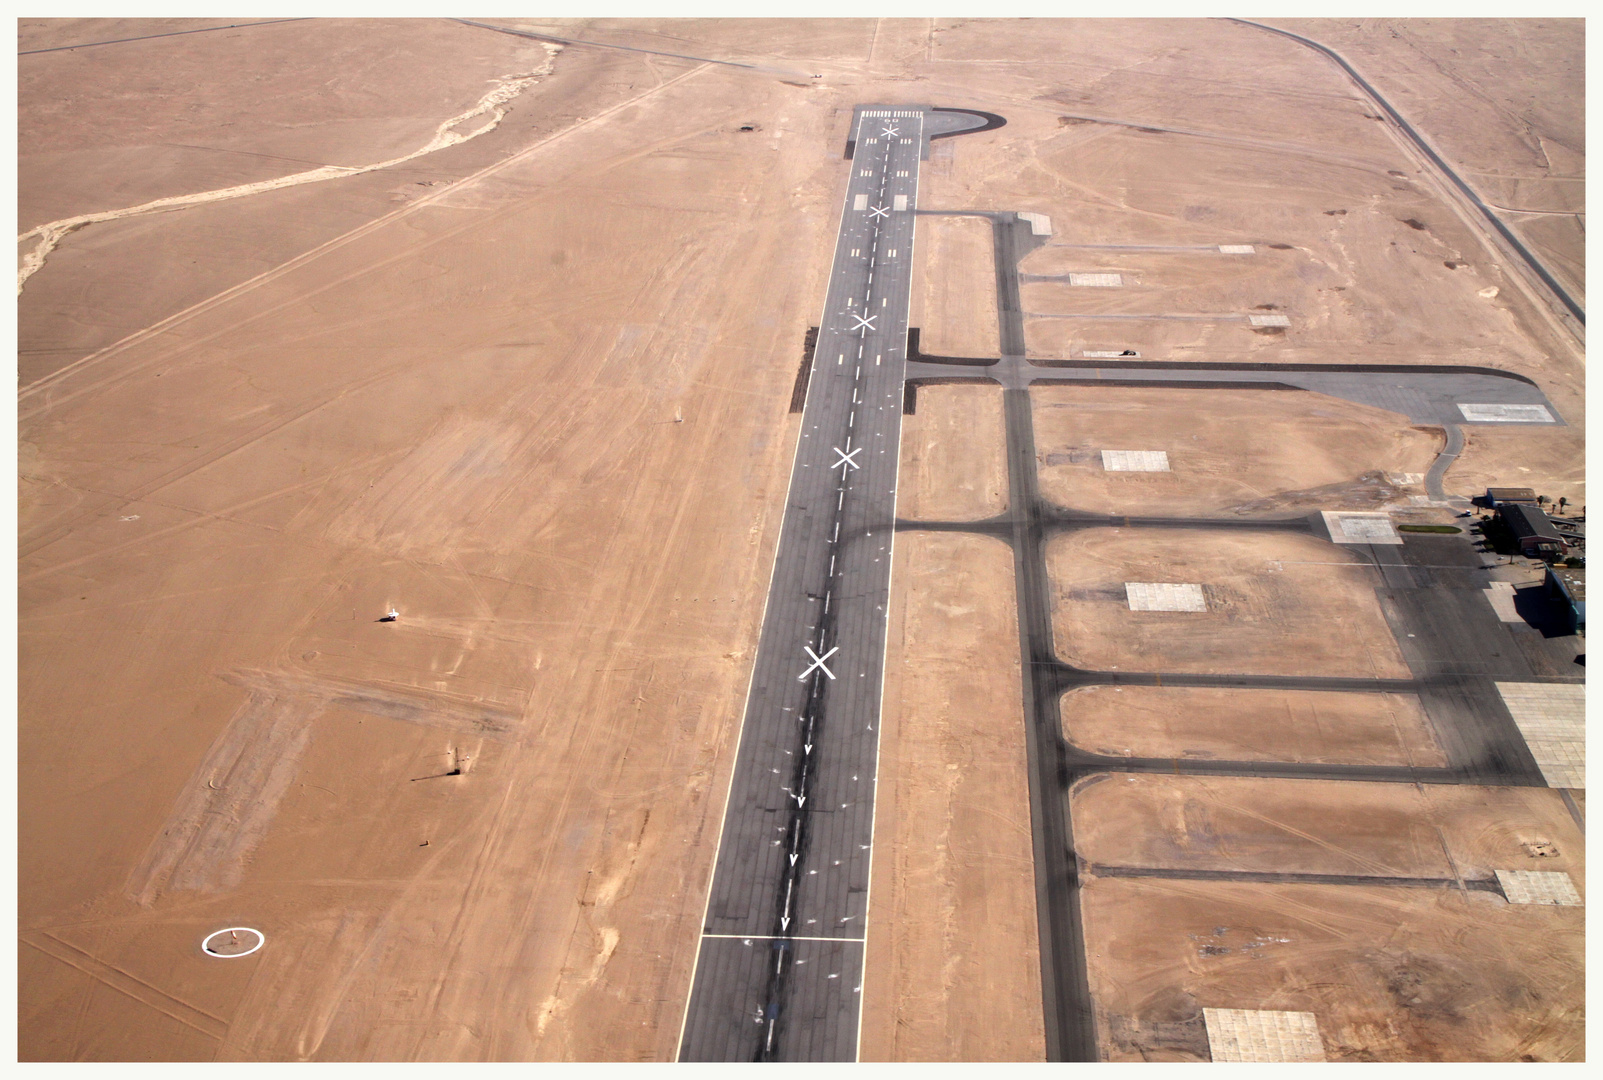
(795, 847)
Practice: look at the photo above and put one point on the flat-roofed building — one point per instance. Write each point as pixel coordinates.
(1497, 496)
(1568, 584)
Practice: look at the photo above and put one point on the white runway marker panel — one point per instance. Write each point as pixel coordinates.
(1135, 460)
(1539, 887)
(233, 942)
(1237, 249)
(1164, 596)
(1261, 1035)
(1040, 224)
(1506, 414)
(1268, 320)
(1101, 281)
(1552, 718)
(1360, 528)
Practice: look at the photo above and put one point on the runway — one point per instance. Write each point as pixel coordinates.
(779, 970)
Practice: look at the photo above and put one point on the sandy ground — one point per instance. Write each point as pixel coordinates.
(1522, 144)
(954, 286)
(953, 456)
(1278, 604)
(452, 388)
(1391, 973)
(1250, 725)
(954, 972)
(1258, 452)
(467, 414)
(1257, 140)
(1323, 827)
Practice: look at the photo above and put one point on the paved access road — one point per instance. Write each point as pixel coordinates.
(780, 968)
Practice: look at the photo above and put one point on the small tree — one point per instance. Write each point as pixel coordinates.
(1562, 502)
(1541, 500)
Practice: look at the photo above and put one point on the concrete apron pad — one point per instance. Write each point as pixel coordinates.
(1263, 1035)
(1505, 414)
(1135, 460)
(1553, 887)
(1164, 596)
(1552, 718)
(1347, 527)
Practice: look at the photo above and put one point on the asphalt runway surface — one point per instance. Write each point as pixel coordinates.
(1432, 594)
(779, 970)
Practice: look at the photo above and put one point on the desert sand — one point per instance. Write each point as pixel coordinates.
(1392, 973)
(1305, 451)
(954, 972)
(1277, 604)
(529, 388)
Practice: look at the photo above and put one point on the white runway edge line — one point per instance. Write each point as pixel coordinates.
(740, 734)
(506, 88)
(890, 588)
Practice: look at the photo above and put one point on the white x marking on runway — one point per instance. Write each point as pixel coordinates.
(845, 458)
(891, 131)
(818, 661)
(878, 212)
(866, 324)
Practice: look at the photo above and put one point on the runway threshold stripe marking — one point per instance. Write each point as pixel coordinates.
(778, 937)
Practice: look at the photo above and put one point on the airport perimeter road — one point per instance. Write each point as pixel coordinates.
(779, 971)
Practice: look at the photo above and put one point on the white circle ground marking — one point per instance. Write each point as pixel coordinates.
(206, 945)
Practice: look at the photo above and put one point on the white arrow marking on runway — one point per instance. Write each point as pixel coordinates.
(845, 458)
(877, 212)
(818, 661)
(866, 324)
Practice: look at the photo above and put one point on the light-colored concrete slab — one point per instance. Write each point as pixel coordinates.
(1268, 320)
(1135, 460)
(1263, 1035)
(1539, 887)
(1506, 414)
(1500, 594)
(1236, 249)
(1360, 528)
(1552, 717)
(1164, 596)
(1105, 281)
